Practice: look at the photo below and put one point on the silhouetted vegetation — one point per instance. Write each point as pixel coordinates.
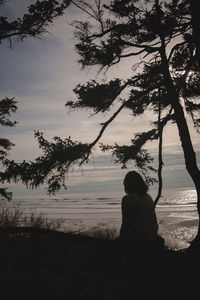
(33, 24)
(7, 107)
(163, 36)
(13, 216)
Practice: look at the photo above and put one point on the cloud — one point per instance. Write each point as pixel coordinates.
(41, 75)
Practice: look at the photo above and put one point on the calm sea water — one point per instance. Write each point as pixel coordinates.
(98, 189)
(107, 203)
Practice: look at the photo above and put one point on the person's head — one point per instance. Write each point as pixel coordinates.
(133, 182)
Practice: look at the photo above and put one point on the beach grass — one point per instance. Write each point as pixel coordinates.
(15, 216)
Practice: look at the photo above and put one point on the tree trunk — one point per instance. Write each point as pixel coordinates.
(189, 155)
(184, 134)
(160, 160)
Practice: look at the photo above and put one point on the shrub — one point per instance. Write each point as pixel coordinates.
(15, 216)
(10, 216)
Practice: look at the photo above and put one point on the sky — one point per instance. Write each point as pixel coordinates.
(42, 73)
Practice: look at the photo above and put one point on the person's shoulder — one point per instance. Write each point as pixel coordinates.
(149, 198)
(127, 197)
(127, 201)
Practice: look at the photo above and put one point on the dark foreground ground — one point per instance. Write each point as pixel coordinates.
(46, 265)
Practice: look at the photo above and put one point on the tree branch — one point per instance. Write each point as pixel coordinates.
(104, 126)
(174, 48)
(160, 159)
(85, 10)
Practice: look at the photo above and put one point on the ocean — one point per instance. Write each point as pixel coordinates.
(72, 205)
(93, 197)
(100, 213)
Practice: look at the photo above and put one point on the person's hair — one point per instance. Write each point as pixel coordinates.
(133, 182)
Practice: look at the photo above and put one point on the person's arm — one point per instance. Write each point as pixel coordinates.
(125, 214)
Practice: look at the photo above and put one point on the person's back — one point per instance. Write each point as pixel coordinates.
(138, 218)
(139, 229)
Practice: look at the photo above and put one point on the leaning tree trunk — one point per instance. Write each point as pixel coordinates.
(184, 134)
(189, 154)
(160, 160)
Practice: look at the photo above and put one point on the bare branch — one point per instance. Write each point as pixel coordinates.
(85, 10)
(104, 126)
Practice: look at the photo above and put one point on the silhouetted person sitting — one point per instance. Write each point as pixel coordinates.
(139, 229)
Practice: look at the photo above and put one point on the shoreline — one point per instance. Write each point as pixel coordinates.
(177, 223)
(177, 228)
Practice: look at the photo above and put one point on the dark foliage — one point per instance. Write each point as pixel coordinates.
(34, 22)
(51, 168)
(7, 107)
(162, 35)
(92, 95)
(123, 154)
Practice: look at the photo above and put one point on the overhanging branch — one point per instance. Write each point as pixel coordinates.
(104, 126)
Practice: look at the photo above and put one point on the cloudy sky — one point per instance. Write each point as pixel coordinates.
(41, 74)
